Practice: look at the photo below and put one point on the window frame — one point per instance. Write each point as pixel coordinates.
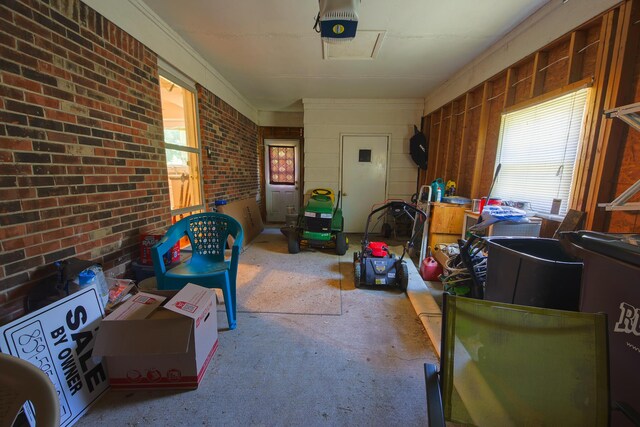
(295, 165)
(169, 73)
(536, 104)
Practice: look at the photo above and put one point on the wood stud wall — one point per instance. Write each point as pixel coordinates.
(602, 53)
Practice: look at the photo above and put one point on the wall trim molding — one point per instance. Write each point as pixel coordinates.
(178, 53)
(359, 104)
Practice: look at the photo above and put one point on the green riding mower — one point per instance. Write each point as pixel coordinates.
(320, 224)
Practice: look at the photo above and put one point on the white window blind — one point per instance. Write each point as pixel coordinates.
(537, 149)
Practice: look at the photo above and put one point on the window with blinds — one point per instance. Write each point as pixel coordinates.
(537, 149)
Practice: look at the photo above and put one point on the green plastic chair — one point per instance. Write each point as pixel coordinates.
(512, 365)
(208, 233)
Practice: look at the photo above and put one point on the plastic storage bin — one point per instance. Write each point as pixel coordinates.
(532, 271)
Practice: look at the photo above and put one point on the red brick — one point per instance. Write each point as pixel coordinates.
(97, 179)
(12, 231)
(73, 200)
(61, 137)
(22, 242)
(32, 26)
(85, 228)
(37, 204)
(15, 143)
(45, 248)
(21, 82)
(43, 101)
(17, 193)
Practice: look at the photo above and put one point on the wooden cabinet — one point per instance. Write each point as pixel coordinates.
(445, 225)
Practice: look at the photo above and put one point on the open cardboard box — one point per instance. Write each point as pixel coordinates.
(150, 345)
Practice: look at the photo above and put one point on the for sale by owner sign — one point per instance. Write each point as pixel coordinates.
(59, 339)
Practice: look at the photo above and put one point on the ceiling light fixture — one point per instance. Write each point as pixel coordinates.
(337, 20)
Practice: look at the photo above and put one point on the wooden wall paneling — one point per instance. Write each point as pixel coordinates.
(438, 153)
(443, 138)
(550, 95)
(426, 129)
(576, 55)
(628, 164)
(612, 131)
(595, 105)
(629, 171)
(434, 145)
(454, 142)
(458, 133)
(539, 72)
(495, 103)
(482, 139)
(448, 140)
(627, 160)
(510, 87)
(462, 168)
(557, 67)
(430, 118)
(472, 127)
(592, 48)
(523, 79)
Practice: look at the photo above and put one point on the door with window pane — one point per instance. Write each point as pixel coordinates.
(182, 148)
(282, 175)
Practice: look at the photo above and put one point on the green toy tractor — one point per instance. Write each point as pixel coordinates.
(320, 224)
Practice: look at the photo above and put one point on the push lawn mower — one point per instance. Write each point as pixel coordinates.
(320, 224)
(374, 265)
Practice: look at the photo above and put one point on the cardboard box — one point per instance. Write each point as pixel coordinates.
(247, 213)
(150, 345)
(59, 339)
(147, 241)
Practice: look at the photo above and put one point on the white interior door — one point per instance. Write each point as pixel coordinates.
(282, 177)
(364, 178)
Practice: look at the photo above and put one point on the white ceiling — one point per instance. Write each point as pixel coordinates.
(268, 50)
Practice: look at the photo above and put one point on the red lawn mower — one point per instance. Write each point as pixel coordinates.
(375, 265)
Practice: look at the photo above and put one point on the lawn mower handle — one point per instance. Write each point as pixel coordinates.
(404, 204)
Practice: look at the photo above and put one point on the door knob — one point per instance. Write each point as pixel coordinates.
(344, 194)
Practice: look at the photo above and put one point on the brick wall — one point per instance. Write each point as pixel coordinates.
(82, 165)
(231, 171)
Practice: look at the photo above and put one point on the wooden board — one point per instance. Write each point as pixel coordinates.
(441, 238)
(247, 213)
(573, 221)
(447, 218)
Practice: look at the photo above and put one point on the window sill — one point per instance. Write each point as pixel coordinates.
(550, 217)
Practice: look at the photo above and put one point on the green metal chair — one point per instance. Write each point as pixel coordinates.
(511, 365)
(208, 233)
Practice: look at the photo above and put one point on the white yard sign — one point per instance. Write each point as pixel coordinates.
(59, 340)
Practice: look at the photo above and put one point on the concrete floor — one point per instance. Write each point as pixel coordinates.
(361, 367)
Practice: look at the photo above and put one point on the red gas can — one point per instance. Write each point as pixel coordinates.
(430, 269)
